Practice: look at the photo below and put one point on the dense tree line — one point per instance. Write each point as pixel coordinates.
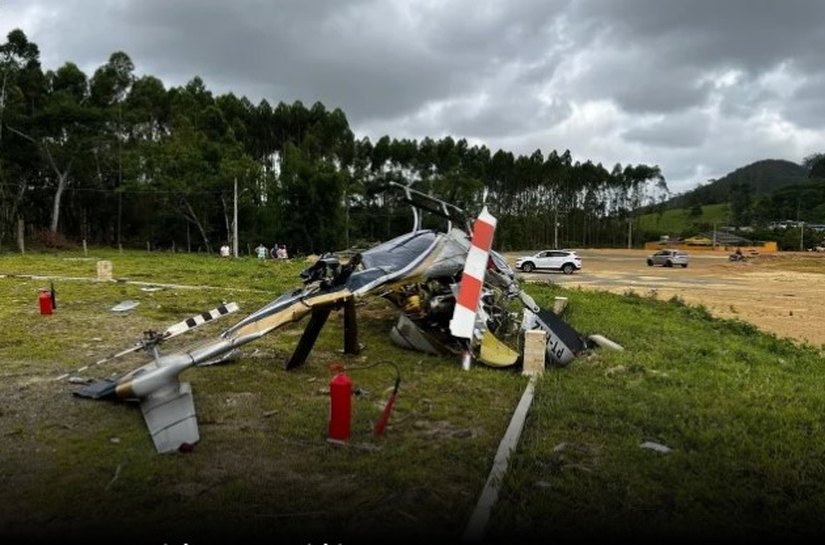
(117, 159)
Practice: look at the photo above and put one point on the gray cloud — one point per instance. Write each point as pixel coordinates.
(807, 107)
(687, 130)
(699, 88)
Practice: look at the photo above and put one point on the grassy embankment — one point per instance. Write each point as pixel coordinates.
(678, 221)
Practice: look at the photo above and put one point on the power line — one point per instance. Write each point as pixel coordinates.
(130, 191)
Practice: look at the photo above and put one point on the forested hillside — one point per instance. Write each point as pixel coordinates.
(761, 178)
(760, 193)
(116, 158)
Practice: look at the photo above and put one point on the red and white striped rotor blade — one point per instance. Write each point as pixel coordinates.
(472, 280)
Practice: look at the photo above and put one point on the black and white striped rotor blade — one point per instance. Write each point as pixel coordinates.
(172, 331)
(200, 319)
(111, 357)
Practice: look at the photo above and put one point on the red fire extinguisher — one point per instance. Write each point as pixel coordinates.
(45, 300)
(340, 406)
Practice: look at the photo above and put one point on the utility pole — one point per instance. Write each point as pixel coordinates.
(235, 221)
(801, 236)
(119, 170)
(556, 228)
(629, 233)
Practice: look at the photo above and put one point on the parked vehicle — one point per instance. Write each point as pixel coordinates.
(668, 258)
(566, 261)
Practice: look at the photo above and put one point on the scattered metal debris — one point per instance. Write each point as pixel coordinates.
(125, 305)
(658, 447)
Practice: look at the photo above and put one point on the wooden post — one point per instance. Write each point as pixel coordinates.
(351, 345)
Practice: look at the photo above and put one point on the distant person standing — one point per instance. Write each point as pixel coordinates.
(261, 250)
(225, 250)
(273, 253)
(282, 252)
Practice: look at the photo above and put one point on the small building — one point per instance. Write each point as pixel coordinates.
(715, 241)
(728, 239)
(699, 240)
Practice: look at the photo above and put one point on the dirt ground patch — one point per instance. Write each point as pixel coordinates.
(780, 293)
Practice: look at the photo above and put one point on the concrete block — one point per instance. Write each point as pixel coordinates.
(534, 352)
(104, 270)
(559, 304)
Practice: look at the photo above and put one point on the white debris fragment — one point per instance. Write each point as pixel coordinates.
(655, 446)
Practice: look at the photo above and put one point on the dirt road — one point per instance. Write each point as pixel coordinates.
(781, 293)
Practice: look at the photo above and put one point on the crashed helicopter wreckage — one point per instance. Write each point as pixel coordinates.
(457, 296)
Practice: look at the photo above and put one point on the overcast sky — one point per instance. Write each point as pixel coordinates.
(698, 87)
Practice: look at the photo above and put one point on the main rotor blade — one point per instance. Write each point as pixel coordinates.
(472, 279)
(195, 321)
(135, 348)
(172, 331)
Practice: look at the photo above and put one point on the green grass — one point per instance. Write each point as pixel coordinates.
(740, 409)
(679, 221)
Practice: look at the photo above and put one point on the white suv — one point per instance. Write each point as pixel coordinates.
(565, 261)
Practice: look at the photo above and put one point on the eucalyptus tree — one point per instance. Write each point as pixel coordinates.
(555, 174)
(472, 187)
(357, 217)
(337, 135)
(190, 165)
(62, 130)
(647, 186)
(146, 111)
(500, 174)
(261, 141)
(109, 88)
(456, 180)
(16, 55)
(582, 199)
(21, 89)
(309, 216)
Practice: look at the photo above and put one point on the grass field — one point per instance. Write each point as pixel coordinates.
(740, 411)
